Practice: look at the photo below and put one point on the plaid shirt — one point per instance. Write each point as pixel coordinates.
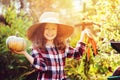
(50, 62)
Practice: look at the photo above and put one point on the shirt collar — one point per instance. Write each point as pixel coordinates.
(47, 46)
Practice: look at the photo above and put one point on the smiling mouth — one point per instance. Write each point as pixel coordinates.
(50, 35)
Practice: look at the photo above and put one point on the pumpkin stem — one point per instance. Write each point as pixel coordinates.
(17, 34)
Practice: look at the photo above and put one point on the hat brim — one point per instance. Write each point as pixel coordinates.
(65, 31)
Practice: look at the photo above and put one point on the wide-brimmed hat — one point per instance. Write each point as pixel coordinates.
(65, 30)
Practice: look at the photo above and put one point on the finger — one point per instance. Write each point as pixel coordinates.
(90, 35)
(12, 50)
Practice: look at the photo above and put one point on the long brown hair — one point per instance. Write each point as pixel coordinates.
(39, 40)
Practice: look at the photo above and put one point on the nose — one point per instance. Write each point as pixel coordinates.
(49, 31)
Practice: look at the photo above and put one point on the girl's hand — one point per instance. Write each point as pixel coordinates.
(28, 56)
(21, 52)
(88, 33)
(85, 32)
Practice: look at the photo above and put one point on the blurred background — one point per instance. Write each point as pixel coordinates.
(102, 17)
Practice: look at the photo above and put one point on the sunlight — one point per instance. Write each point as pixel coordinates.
(78, 5)
(1, 7)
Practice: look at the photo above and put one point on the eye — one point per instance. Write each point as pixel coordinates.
(53, 28)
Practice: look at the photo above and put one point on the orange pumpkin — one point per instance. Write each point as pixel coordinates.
(16, 43)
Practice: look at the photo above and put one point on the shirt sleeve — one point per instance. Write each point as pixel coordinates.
(76, 52)
(38, 62)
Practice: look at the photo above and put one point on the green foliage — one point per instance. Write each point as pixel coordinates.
(71, 69)
(104, 65)
(105, 12)
(17, 22)
(101, 66)
(13, 66)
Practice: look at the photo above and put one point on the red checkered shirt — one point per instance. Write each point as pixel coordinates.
(50, 62)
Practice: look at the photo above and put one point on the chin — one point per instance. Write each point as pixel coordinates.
(51, 38)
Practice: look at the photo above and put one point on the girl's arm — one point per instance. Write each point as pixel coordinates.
(29, 57)
(82, 36)
(78, 51)
(36, 61)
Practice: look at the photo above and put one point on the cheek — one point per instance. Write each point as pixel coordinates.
(45, 32)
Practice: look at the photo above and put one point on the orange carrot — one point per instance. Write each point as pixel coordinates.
(94, 46)
(88, 54)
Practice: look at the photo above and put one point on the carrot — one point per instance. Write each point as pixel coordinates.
(94, 46)
(88, 54)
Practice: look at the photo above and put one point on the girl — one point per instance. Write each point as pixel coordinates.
(49, 49)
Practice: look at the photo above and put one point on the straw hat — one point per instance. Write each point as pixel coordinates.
(50, 17)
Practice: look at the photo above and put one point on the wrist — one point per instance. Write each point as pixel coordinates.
(83, 32)
(25, 52)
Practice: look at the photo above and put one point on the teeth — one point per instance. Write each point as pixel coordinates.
(49, 35)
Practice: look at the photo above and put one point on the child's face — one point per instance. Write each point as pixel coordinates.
(50, 31)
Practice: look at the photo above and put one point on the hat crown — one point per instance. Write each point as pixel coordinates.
(49, 17)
